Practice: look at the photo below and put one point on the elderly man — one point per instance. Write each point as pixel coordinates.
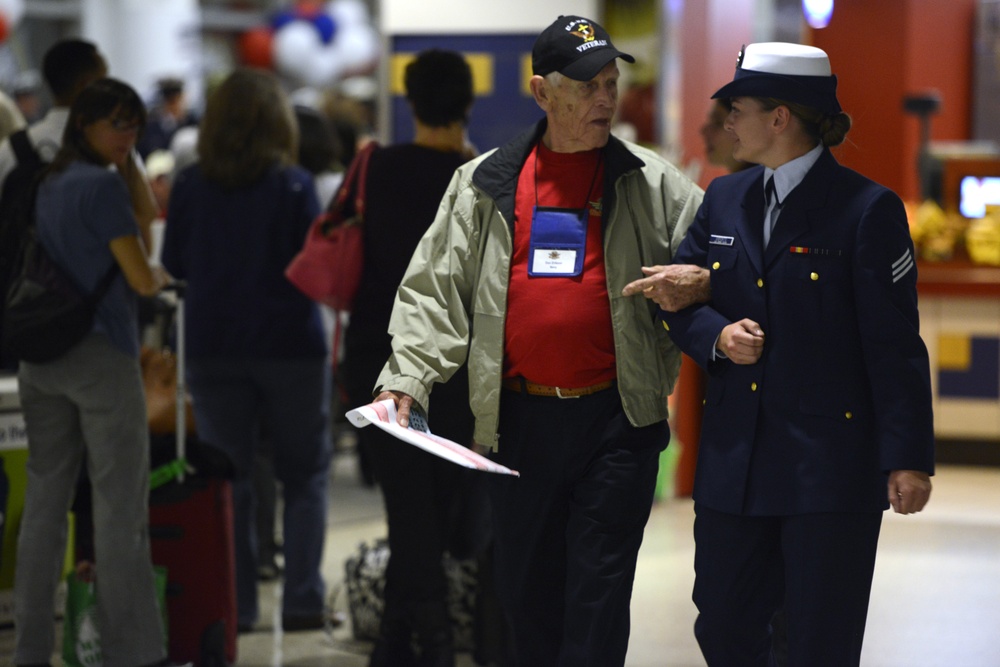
(522, 274)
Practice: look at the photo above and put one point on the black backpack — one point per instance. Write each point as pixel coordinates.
(17, 201)
(45, 312)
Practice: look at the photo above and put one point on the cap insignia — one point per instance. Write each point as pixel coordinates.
(585, 32)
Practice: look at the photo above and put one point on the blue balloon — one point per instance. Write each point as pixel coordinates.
(281, 19)
(326, 26)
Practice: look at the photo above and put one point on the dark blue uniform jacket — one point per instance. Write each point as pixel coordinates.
(841, 395)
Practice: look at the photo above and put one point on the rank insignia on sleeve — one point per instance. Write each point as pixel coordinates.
(902, 265)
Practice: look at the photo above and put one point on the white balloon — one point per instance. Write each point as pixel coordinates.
(12, 11)
(295, 47)
(357, 47)
(348, 13)
(299, 52)
(324, 69)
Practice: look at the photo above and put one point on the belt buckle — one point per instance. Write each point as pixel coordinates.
(559, 394)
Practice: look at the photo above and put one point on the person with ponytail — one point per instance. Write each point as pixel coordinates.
(818, 405)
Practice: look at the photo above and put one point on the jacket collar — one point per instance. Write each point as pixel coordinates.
(797, 210)
(497, 174)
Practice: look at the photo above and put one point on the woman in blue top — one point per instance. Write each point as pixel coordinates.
(255, 345)
(88, 405)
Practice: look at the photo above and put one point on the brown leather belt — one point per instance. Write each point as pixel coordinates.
(521, 385)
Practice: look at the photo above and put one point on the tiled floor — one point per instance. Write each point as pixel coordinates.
(935, 603)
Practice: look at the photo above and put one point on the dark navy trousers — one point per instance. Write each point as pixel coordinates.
(819, 566)
(568, 530)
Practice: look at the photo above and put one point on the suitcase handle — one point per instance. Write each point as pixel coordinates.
(179, 287)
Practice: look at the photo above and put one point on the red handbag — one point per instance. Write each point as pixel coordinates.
(328, 268)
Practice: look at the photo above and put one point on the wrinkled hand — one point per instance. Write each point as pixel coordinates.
(672, 287)
(403, 404)
(909, 490)
(742, 342)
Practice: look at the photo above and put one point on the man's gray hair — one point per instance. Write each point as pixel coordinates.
(555, 79)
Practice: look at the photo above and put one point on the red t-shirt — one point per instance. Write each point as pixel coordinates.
(558, 330)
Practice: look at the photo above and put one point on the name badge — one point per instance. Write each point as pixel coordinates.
(553, 262)
(558, 242)
(715, 239)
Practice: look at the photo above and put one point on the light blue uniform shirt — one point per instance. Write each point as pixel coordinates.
(786, 178)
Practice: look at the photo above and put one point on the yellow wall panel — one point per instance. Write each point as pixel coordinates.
(481, 65)
(954, 352)
(526, 74)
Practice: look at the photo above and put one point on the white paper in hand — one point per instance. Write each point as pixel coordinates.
(383, 415)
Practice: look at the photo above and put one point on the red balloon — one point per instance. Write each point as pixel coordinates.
(308, 8)
(255, 47)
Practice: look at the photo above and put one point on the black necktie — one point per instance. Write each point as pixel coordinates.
(770, 194)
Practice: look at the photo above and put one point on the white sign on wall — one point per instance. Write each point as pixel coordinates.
(13, 433)
(443, 17)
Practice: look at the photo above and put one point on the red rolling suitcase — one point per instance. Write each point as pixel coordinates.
(191, 535)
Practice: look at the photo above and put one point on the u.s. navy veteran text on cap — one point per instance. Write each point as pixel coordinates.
(575, 47)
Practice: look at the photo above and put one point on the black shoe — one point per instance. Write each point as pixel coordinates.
(392, 653)
(440, 656)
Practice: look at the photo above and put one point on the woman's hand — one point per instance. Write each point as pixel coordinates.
(143, 202)
(146, 280)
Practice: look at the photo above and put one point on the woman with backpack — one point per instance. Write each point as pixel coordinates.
(87, 406)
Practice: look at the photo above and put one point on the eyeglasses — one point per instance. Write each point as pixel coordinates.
(123, 125)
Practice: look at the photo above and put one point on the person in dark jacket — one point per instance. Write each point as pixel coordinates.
(257, 358)
(420, 491)
(818, 409)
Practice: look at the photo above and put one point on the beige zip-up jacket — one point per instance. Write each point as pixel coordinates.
(452, 303)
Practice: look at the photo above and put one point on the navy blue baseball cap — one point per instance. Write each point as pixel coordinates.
(575, 47)
(789, 72)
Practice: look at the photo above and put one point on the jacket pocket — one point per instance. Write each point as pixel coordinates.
(721, 258)
(833, 401)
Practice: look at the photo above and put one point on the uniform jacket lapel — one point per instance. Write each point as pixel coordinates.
(800, 210)
(750, 226)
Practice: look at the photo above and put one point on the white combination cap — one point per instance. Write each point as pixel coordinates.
(790, 72)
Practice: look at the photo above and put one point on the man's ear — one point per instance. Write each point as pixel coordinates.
(540, 91)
